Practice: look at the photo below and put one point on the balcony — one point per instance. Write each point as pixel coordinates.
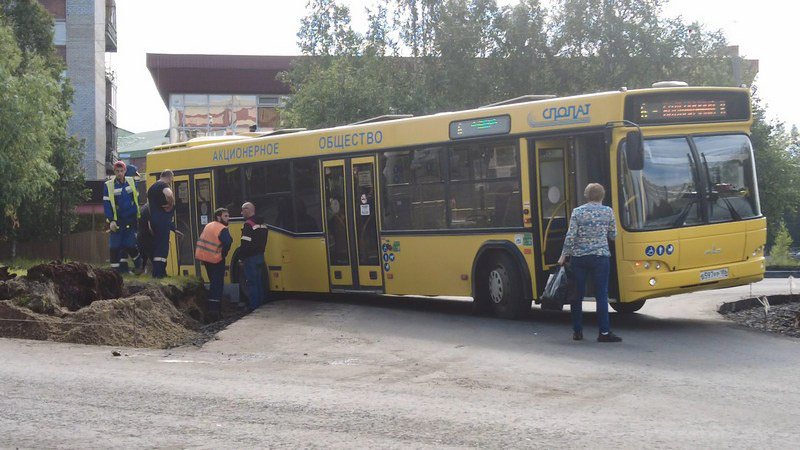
(111, 97)
(111, 26)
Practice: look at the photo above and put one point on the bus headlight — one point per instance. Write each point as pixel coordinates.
(658, 266)
(652, 281)
(647, 265)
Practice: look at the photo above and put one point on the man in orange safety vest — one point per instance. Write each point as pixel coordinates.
(212, 249)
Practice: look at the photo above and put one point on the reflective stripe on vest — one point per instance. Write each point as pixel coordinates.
(112, 194)
(209, 247)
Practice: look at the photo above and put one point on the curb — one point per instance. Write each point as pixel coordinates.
(748, 303)
(782, 273)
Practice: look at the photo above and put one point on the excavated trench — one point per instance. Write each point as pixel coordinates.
(79, 303)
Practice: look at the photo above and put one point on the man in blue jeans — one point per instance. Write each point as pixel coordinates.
(251, 252)
(590, 228)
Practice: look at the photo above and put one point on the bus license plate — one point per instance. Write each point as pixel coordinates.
(710, 275)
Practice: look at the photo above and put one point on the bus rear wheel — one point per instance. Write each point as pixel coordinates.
(627, 308)
(502, 287)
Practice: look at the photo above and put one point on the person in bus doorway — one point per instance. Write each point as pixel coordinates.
(586, 244)
(253, 245)
(121, 206)
(212, 249)
(162, 201)
(145, 241)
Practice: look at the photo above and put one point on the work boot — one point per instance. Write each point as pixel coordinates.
(138, 265)
(608, 337)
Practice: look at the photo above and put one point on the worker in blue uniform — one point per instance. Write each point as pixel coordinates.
(121, 206)
(162, 202)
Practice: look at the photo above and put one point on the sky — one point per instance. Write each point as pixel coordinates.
(763, 30)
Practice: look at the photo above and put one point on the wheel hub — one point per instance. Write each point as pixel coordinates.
(496, 287)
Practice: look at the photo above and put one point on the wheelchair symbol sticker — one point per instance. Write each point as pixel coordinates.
(650, 251)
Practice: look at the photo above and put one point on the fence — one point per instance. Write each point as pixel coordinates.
(87, 246)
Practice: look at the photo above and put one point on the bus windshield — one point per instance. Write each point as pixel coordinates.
(689, 181)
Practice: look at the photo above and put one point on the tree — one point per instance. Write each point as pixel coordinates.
(467, 53)
(779, 253)
(35, 150)
(29, 114)
(778, 171)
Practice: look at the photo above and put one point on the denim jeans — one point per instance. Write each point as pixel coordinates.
(598, 268)
(253, 269)
(216, 278)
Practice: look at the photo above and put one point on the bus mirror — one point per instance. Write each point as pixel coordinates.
(634, 150)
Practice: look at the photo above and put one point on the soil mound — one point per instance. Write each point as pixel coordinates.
(78, 284)
(5, 274)
(81, 304)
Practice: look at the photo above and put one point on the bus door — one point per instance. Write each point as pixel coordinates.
(551, 191)
(351, 228)
(183, 248)
(203, 209)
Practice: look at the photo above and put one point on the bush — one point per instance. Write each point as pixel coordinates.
(779, 253)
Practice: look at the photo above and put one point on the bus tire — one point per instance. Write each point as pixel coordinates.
(501, 285)
(627, 308)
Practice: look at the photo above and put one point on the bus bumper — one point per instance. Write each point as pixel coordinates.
(643, 284)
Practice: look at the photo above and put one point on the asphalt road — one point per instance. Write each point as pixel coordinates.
(417, 373)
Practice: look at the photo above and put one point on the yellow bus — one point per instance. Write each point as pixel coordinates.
(476, 203)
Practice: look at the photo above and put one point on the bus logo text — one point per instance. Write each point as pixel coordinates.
(249, 152)
(562, 115)
(350, 140)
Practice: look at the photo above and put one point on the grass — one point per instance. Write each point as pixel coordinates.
(20, 266)
(180, 281)
(782, 262)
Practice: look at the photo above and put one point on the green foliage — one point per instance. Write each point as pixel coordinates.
(30, 118)
(779, 253)
(36, 154)
(777, 168)
(468, 53)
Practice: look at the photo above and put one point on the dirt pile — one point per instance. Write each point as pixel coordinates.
(81, 304)
(5, 274)
(78, 284)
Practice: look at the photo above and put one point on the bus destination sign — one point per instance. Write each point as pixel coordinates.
(485, 126)
(683, 110)
(687, 107)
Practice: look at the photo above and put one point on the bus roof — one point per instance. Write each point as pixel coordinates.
(536, 116)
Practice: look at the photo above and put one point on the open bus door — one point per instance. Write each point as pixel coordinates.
(351, 228)
(553, 197)
(183, 247)
(193, 210)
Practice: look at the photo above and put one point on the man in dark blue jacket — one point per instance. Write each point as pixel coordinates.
(251, 252)
(121, 206)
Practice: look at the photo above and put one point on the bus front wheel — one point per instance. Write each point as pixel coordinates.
(627, 308)
(501, 287)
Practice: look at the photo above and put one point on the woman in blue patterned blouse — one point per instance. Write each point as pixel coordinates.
(590, 228)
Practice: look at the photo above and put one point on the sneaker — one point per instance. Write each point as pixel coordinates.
(577, 336)
(608, 337)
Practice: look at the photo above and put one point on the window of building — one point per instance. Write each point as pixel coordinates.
(60, 32)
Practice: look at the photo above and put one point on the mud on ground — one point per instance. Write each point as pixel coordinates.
(82, 304)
